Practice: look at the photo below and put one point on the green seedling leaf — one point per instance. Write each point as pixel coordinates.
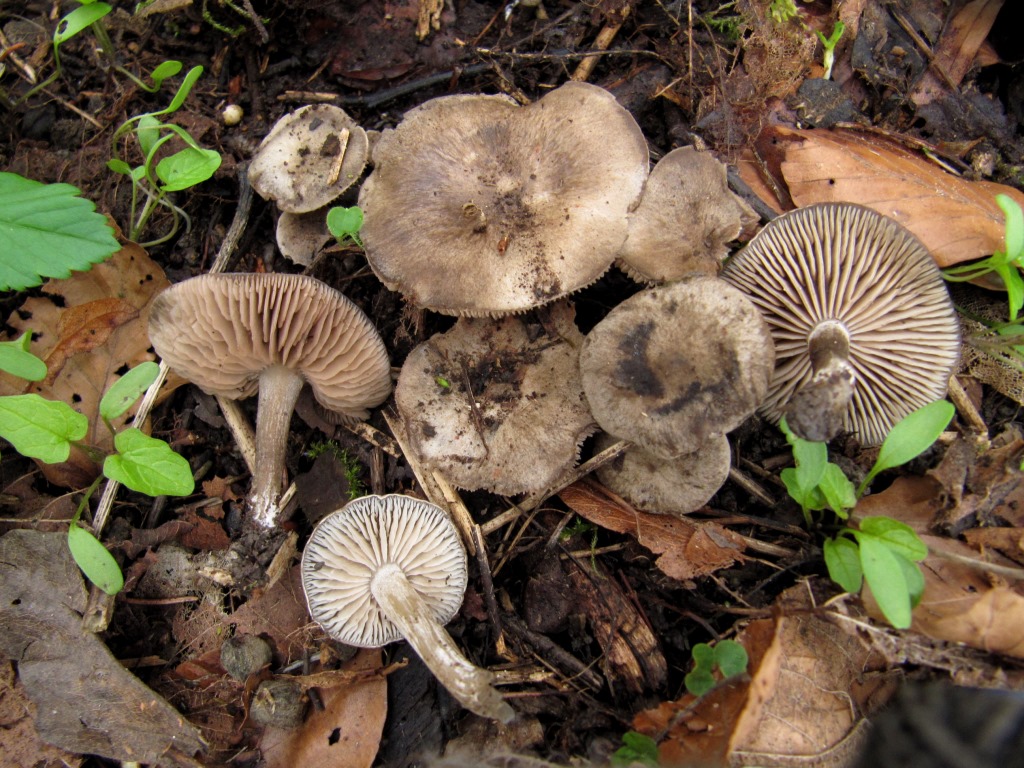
(899, 537)
(16, 360)
(187, 168)
(98, 565)
(838, 491)
(910, 437)
(1014, 226)
(79, 19)
(704, 656)
(126, 390)
(148, 465)
(810, 457)
(885, 576)
(183, 91)
(842, 557)
(636, 748)
(47, 231)
(731, 658)
(345, 222)
(39, 428)
(914, 578)
(807, 498)
(148, 133)
(119, 166)
(1014, 287)
(699, 681)
(163, 71)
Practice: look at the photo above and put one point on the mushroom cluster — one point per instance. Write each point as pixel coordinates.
(477, 206)
(383, 568)
(309, 158)
(673, 369)
(864, 329)
(234, 335)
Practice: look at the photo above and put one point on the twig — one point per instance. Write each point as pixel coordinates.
(601, 42)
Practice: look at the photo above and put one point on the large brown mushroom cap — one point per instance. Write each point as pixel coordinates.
(222, 331)
(846, 275)
(686, 218)
(309, 157)
(479, 207)
(497, 404)
(675, 366)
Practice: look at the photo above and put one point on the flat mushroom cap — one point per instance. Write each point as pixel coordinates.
(675, 366)
(673, 487)
(477, 206)
(309, 157)
(301, 236)
(848, 264)
(686, 217)
(220, 331)
(349, 545)
(521, 425)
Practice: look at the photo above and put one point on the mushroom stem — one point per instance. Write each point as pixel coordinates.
(817, 411)
(279, 390)
(469, 684)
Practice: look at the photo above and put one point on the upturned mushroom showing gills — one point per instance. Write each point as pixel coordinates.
(234, 335)
(864, 328)
(678, 365)
(383, 568)
(477, 206)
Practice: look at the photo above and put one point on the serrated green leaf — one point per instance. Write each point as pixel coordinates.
(148, 465)
(838, 491)
(18, 361)
(900, 537)
(731, 657)
(47, 231)
(842, 557)
(911, 436)
(39, 428)
(126, 390)
(96, 562)
(884, 575)
(186, 168)
(699, 681)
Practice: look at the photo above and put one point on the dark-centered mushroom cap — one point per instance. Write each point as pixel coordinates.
(221, 331)
(686, 218)
(309, 157)
(675, 486)
(348, 546)
(497, 404)
(839, 264)
(677, 365)
(479, 207)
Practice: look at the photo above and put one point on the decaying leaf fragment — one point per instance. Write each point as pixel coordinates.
(957, 220)
(87, 702)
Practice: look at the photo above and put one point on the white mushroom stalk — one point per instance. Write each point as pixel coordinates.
(387, 567)
(468, 683)
(279, 391)
(816, 411)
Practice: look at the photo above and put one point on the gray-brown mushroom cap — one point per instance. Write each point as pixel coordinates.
(858, 309)
(309, 157)
(673, 487)
(675, 366)
(348, 547)
(477, 206)
(302, 236)
(497, 404)
(686, 218)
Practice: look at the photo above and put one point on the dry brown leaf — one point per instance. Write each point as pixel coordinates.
(20, 744)
(346, 732)
(688, 548)
(89, 329)
(957, 220)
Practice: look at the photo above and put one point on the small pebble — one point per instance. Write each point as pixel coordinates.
(232, 114)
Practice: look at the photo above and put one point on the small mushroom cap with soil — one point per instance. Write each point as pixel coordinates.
(383, 568)
(498, 404)
(674, 487)
(302, 236)
(864, 328)
(309, 157)
(675, 366)
(477, 206)
(686, 218)
(235, 334)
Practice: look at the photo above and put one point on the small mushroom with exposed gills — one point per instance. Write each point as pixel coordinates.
(864, 329)
(383, 568)
(234, 335)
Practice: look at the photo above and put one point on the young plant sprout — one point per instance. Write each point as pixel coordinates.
(386, 567)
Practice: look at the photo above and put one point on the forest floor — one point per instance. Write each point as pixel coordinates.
(587, 610)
